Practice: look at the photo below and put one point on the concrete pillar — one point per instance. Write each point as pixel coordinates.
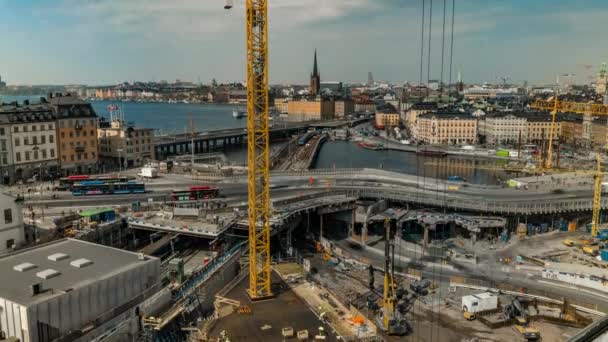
(351, 229)
(364, 233)
(425, 241)
(321, 229)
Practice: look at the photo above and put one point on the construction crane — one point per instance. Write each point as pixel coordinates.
(390, 319)
(587, 109)
(258, 166)
(597, 197)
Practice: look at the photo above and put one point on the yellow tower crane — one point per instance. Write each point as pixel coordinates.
(258, 168)
(597, 197)
(554, 106)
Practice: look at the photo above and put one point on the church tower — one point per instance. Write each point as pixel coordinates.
(315, 78)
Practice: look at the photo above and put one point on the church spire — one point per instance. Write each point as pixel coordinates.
(315, 70)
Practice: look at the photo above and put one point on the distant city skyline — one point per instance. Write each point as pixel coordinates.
(110, 41)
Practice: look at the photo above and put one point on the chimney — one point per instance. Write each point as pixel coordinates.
(49, 95)
(42, 99)
(26, 102)
(36, 288)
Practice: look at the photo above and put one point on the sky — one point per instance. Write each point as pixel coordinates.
(99, 42)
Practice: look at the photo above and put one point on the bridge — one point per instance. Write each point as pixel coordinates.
(176, 144)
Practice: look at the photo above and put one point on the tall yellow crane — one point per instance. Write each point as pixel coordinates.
(554, 106)
(597, 197)
(258, 166)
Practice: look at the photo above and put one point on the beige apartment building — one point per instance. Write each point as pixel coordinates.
(539, 128)
(447, 128)
(344, 108)
(124, 145)
(505, 128)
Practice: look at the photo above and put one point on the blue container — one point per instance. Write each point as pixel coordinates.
(505, 236)
(603, 234)
(604, 254)
(563, 226)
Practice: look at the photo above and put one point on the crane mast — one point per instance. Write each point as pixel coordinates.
(597, 197)
(258, 174)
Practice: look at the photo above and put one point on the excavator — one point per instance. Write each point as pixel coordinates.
(515, 310)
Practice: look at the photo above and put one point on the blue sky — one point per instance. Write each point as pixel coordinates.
(109, 41)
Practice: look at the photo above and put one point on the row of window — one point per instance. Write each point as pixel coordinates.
(26, 140)
(29, 154)
(63, 145)
(77, 134)
(78, 156)
(76, 123)
(129, 150)
(27, 128)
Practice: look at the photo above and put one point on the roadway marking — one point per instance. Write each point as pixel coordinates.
(573, 287)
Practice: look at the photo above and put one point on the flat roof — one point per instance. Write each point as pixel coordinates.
(93, 262)
(96, 211)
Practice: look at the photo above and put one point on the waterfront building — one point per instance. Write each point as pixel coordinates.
(124, 145)
(343, 108)
(76, 134)
(419, 108)
(315, 79)
(72, 290)
(447, 128)
(387, 116)
(363, 105)
(505, 128)
(28, 146)
(11, 224)
(572, 130)
(539, 128)
(281, 105)
(309, 110)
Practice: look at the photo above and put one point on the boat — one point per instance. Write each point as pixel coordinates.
(239, 113)
(371, 146)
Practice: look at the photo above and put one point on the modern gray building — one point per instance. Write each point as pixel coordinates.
(71, 289)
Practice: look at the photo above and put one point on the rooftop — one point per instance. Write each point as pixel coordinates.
(77, 264)
(448, 115)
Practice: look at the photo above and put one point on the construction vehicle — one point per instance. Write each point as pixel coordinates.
(469, 316)
(389, 319)
(527, 331)
(515, 310)
(570, 242)
(591, 250)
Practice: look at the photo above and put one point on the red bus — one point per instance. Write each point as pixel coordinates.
(196, 193)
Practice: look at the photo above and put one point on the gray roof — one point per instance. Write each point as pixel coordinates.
(106, 261)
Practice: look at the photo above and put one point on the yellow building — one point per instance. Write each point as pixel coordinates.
(76, 135)
(344, 108)
(572, 131)
(310, 110)
(447, 128)
(539, 125)
(387, 116)
(416, 109)
(281, 105)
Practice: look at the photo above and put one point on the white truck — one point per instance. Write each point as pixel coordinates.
(479, 302)
(148, 172)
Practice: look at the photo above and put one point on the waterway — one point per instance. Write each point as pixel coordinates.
(344, 154)
(175, 118)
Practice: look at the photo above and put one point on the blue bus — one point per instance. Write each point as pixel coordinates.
(103, 188)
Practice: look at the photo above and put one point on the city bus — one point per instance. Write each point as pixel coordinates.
(66, 183)
(100, 187)
(196, 193)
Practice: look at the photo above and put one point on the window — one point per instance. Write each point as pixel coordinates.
(62, 135)
(43, 154)
(1, 130)
(18, 156)
(50, 126)
(93, 143)
(93, 155)
(84, 133)
(86, 155)
(16, 129)
(27, 155)
(63, 158)
(36, 154)
(91, 123)
(42, 127)
(10, 243)
(51, 138)
(72, 157)
(77, 134)
(79, 156)
(25, 128)
(17, 143)
(33, 128)
(3, 145)
(35, 140)
(43, 139)
(53, 154)
(71, 134)
(92, 132)
(4, 160)
(26, 141)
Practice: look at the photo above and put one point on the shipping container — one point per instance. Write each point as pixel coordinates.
(604, 254)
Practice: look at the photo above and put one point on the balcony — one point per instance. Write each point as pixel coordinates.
(80, 149)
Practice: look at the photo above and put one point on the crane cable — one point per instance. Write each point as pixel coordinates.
(452, 40)
(428, 65)
(442, 52)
